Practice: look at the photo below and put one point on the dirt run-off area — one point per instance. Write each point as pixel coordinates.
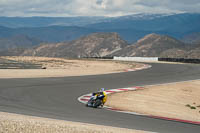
(176, 100)
(60, 67)
(13, 123)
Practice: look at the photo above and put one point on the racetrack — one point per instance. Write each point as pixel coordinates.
(57, 97)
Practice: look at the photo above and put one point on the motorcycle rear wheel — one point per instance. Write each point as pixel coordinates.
(97, 103)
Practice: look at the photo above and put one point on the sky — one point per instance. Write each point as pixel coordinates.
(111, 8)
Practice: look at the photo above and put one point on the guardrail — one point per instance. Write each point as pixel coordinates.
(182, 60)
(149, 59)
(98, 57)
(138, 59)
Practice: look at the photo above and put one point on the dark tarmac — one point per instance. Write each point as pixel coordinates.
(57, 97)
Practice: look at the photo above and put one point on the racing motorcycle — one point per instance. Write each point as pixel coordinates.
(95, 101)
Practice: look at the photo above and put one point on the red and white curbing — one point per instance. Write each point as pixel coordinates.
(145, 66)
(84, 99)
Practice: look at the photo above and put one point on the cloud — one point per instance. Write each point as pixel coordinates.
(94, 7)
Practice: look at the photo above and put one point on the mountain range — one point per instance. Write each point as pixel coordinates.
(18, 41)
(174, 35)
(111, 44)
(21, 22)
(131, 28)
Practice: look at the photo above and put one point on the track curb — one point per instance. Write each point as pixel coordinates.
(145, 66)
(83, 99)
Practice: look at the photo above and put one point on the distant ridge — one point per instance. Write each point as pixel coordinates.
(18, 41)
(131, 27)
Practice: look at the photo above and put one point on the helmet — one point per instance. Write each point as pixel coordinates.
(102, 89)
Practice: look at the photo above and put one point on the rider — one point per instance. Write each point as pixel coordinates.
(101, 95)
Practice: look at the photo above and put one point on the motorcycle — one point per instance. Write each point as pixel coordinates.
(95, 101)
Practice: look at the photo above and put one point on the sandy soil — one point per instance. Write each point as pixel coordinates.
(13, 123)
(177, 100)
(57, 67)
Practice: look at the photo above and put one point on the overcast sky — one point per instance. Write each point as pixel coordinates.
(95, 7)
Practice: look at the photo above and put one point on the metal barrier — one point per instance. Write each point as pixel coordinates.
(149, 59)
(182, 60)
(98, 57)
(138, 59)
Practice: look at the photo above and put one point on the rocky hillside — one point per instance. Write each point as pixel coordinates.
(111, 44)
(152, 45)
(93, 45)
(193, 38)
(192, 52)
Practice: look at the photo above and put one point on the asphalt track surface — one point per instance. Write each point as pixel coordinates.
(57, 97)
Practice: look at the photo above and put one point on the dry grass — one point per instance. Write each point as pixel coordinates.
(170, 100)
(13, 123)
